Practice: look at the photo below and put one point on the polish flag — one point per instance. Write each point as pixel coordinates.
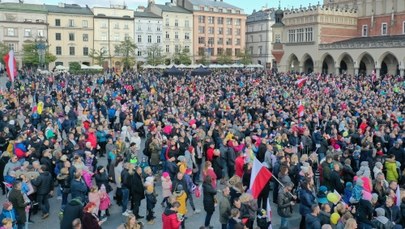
(373, 76)
(301, 82)
(301, 109)
(11, 65)
(319, 76)
(269, 213)
(259, 178)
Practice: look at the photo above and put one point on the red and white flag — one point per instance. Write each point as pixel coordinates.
(301, 109)
(373, 76)
(301, 82)
(259, 178)
(11, 65)
(269, 213)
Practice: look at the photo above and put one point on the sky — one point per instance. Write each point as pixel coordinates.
(247, 5)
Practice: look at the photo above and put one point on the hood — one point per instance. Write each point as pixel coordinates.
(169, 211)
(76, 202)
(382, 219)
(45, 173)
(310, 219)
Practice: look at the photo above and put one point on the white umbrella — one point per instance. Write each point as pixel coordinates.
(181, 66)
(96, 67)
(147, 66)
(60, 67)
(82, 66)
(161, 66)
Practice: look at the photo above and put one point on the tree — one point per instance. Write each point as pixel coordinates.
(245, 58)
(182, 57)
(126, 49)
(31, 55)
(224, 59)
(74, 67)
(98, 56)
(3, 51)
(203, 60)
(155, 55)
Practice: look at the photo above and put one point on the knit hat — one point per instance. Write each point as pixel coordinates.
(349, 184)
(165, 174)
(179, 188)
(189, 171)
(7, 204)
(374, 197)
(379, 165)
(367, 196)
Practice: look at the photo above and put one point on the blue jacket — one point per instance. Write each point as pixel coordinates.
(307, 200)
(8, 214)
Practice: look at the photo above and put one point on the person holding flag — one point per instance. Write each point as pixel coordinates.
(11, 66)
(286, 202)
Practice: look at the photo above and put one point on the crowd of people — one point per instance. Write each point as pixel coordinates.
(334, 144)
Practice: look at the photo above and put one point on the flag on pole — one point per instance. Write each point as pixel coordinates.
(301, 82)
(11, 65)
(373, 76)
(398, 196)
(301, 109)
(269, 213)
(259, 177)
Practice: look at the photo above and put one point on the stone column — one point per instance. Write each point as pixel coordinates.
(356, 71)
(402, 72)
(377, 72)
(337, 68)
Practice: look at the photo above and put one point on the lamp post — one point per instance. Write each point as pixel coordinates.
(41, 48)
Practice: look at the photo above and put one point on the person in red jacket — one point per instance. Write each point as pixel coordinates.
(169, 217)
(92, 138)
(239, 162)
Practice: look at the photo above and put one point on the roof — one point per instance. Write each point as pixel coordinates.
(69, 9)
(146, 14)
(172, 8)
(372, 39)
(23, 7)
(212, 3)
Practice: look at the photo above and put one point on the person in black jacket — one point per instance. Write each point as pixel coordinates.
(335, 180)
(78, 188)
(72, 211)
(16, 198)
(44, 184)
(137, 190)
(208, 200)
(364, 212)
(392, 212)
(285, 203)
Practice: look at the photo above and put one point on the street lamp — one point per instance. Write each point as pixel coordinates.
(41, 48)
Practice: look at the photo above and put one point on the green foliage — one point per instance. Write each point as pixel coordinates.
(245, 58)
(224, 59)
(3, 51)
(98, 56)
(203, 60)
(31, 56)
(74, 66)
(182, 57)
(126, 49)
(155, 55)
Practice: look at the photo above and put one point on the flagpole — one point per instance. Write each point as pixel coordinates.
(282, 185)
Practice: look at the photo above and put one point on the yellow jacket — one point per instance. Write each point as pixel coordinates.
(181, 198)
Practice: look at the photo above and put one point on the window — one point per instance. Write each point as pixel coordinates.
(116, 36)
(220, 51)
(158, 28)
(126, 26)
(58, 36)
(176, 35)
(221, 10)
(384, 29)
(85, 23)
(364, 32)
(251, 50)
(211, 20)
(308, 34)
(229, 41)
(201, 40)
(237, 41)
(158, 39)
(72, 51)
(237, 52)
(167, 35)
(27, 33)
(11, 46)
(211, 41)
(201, 51)
(85, 37)
(116, 26)
(187, 23)
(238, 21)
(103, 25)
(127, 37)
(40, 33)
(229, 31)
(260, 50)
(211, 30)
(176, 23)
(139, 53)
(220, 31)
(85, 51)
(220, 41)
(167, 48)
(58, 50)
(139, 28)
(186, 36)
(300, 35)
(229, 21)
(149, 38)
(176, 49)
(237, 32)
(220, 21)
(186, 48)
(201, 19)
(139, 38)
(71, 23)
(291, 35)
(57, 22)
(167, 22)
(229, 52)
(251, 38)
(104, 36)
(71, 36)
(260, 38)
(201, 29)
(278, 38)
(149, 28)
(11, 32)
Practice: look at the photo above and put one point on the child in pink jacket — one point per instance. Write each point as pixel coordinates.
(167, 187)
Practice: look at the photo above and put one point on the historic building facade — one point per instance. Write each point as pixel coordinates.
(347, 36)
(112, 26)
(259, 36)
(148, 33)
(70, 33)
(20, 23)
(219, 28)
